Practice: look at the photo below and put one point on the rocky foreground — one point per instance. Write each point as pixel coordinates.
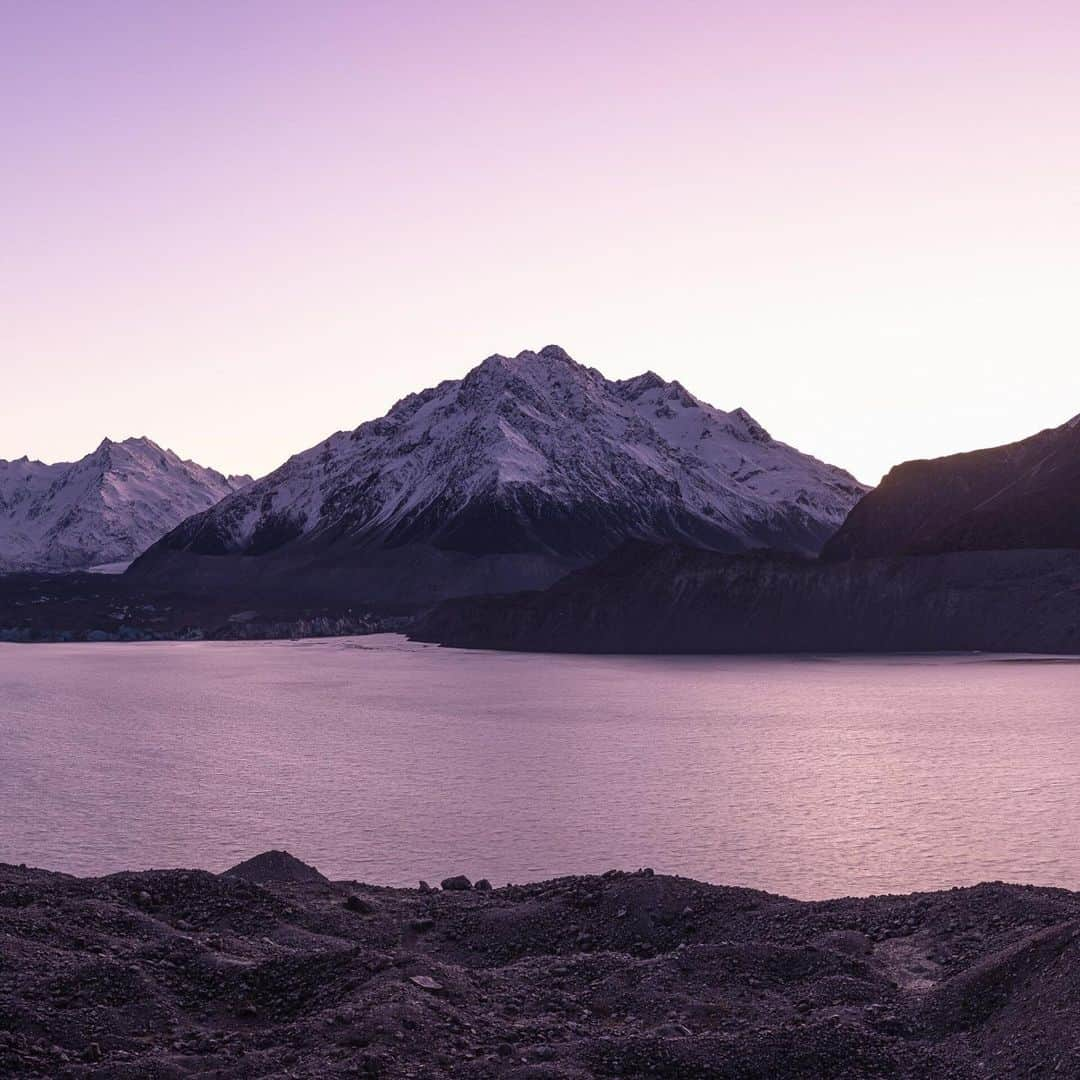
(270, 970)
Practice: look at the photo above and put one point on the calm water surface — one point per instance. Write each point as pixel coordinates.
(384, 761)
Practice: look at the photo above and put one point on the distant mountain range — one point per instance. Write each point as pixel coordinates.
(525, 468)
(1024, 495)
(536, 504)
(106, 507)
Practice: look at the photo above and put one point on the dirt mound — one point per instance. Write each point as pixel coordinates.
(274, 866)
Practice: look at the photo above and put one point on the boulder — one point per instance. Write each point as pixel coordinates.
(457, 884)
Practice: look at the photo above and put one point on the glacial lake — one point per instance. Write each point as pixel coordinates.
(385, 761)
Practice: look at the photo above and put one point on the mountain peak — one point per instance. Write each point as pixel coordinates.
(106, 507)
(132, 442)
(634, 387)
(753, 428)
(527, 376)
(533, 456)
(548, 356)
(556, 352)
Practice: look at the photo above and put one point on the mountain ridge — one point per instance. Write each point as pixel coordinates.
(534, 463)
(1024, 494)
(106, 507)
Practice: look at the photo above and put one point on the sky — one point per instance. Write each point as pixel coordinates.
(236, 226)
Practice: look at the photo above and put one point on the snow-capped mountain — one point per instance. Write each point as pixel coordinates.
(104, 508)
(530, 455)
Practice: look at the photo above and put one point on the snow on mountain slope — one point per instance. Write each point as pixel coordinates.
(105, 508)
(532, 454)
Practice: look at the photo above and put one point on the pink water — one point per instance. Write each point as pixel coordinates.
(387, 762)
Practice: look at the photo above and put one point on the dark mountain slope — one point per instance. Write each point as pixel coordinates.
(1024, 495)
(651, 599)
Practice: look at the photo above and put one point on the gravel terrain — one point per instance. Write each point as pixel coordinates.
(270, 970)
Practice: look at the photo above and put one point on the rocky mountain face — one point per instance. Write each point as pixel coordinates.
(104, 508)
(1024, 495)
(646, 598)
(507, 478)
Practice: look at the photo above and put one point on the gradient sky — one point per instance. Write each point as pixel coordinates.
(238, 225)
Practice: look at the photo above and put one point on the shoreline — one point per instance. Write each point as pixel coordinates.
(272, 970)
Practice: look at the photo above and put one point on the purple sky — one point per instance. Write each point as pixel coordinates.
(237, 226)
